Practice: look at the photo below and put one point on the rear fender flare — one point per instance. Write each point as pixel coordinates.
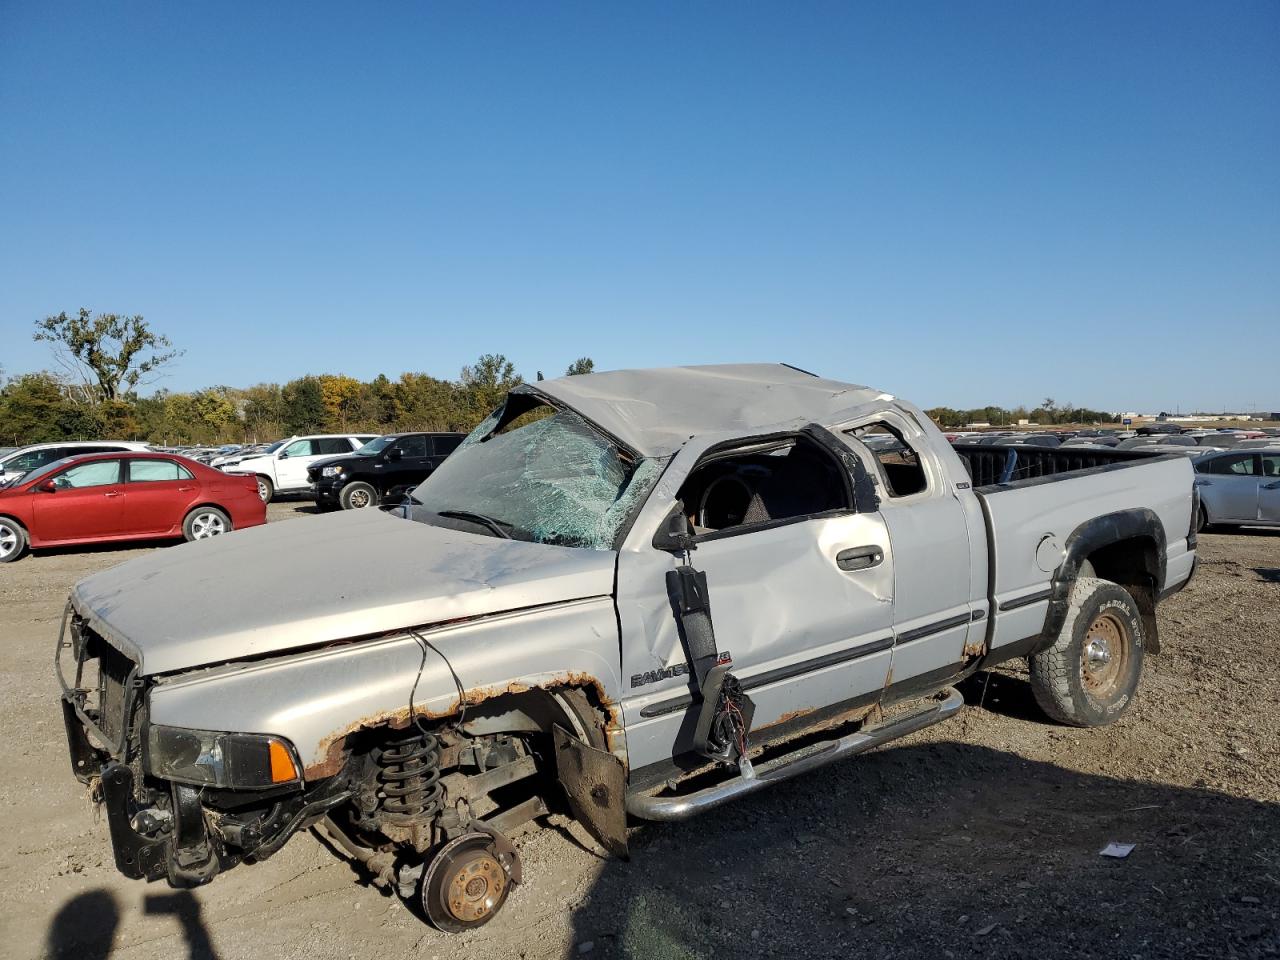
(1110, 528)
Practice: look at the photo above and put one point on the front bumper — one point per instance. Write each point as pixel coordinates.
(326, 489)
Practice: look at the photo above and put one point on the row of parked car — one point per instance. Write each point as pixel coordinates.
(60, 494)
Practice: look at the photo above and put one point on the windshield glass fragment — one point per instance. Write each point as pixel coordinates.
(543, 475)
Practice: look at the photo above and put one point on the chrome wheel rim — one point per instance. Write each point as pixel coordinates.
(359, 498)
(1105, 654)
(206, 525)
(262, 490)
(8, 540)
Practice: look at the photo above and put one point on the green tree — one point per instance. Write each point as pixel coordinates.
(36, 408)
(303, 405)
(580, 366)
(483, 386)
(112, 354)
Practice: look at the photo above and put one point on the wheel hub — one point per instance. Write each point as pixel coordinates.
(474, 887)
(466, 883)
(1104, 654)
(8, 540)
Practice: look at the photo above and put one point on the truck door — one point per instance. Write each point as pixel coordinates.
(933, 616)
(800, 586)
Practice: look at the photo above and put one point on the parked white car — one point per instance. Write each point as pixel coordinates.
(36, 455)
(285, 469)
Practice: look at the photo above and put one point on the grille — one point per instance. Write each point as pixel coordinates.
(113, 677)
(101, 687)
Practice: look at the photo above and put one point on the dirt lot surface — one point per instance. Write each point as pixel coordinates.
(976, 838)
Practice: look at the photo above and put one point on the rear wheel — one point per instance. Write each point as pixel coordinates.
(1202, 519)
(266, 489)
(1089, 677)
(13, 540)
(357, 496)
(205, 522)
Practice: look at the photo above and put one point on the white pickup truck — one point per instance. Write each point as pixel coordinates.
(638, 593)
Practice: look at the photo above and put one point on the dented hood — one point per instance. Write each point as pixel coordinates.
(321, 579)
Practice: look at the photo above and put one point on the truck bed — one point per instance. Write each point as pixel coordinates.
(996, 464)
(1035, 498)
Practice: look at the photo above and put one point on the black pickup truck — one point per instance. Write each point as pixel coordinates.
(386, 467)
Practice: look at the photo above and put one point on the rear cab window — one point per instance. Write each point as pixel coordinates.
(899, 463)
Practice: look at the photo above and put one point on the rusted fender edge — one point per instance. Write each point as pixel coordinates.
(333, 746)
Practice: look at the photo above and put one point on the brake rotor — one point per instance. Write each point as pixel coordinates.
(466, 883)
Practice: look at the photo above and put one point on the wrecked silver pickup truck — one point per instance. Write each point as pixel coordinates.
(635, 593)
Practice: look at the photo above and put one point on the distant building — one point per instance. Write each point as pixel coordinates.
(977, 425)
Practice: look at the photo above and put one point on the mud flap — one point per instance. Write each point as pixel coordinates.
(596, 784)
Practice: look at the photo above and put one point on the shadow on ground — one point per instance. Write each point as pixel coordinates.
(86, 926)
(947, 850)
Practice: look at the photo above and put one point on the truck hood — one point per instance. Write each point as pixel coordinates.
(316, 580)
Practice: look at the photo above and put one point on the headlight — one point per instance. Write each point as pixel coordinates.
(237, 761)
(330, 471)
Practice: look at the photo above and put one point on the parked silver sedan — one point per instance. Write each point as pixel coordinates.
(1240, 487)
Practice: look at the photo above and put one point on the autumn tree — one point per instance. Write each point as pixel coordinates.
(340, 395)
(111, 354)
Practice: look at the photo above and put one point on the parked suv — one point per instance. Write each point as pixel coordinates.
(36, 455)
(384, 468)
(285, 469)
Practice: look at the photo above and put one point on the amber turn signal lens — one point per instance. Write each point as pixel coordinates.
(282, 768)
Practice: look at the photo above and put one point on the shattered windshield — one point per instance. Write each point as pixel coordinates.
(547, 479)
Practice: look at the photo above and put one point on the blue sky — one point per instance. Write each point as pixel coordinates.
(959, 203)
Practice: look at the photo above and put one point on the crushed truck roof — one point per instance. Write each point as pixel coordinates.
(655, 411)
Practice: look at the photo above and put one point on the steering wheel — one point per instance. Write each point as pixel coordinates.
(725, 510)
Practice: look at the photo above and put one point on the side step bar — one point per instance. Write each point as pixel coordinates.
(649, 807)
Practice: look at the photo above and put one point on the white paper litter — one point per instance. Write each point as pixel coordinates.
(1117, 850)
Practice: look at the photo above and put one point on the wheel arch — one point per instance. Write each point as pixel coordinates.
(1128, 548)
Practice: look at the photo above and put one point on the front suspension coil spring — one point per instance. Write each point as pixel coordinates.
(409, 775)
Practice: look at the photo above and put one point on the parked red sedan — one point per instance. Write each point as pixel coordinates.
(124, 496)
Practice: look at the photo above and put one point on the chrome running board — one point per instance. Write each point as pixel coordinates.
(649, 807)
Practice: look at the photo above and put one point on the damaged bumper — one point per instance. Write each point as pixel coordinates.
(163, 829)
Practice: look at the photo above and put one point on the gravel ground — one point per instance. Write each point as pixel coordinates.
(976, 838)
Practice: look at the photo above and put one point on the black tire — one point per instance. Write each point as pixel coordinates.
(205, 522)
(1202, 520)
(1072, 681)
(358, 495)
(13, 540)
(266, 489)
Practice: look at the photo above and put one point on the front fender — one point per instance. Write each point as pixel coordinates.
(318, 698)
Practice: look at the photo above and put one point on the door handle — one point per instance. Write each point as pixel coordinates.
(185, 489)
(1274, 485)
(860, 558)
(113, 494)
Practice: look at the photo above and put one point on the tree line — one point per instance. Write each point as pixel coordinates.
(105, 360)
